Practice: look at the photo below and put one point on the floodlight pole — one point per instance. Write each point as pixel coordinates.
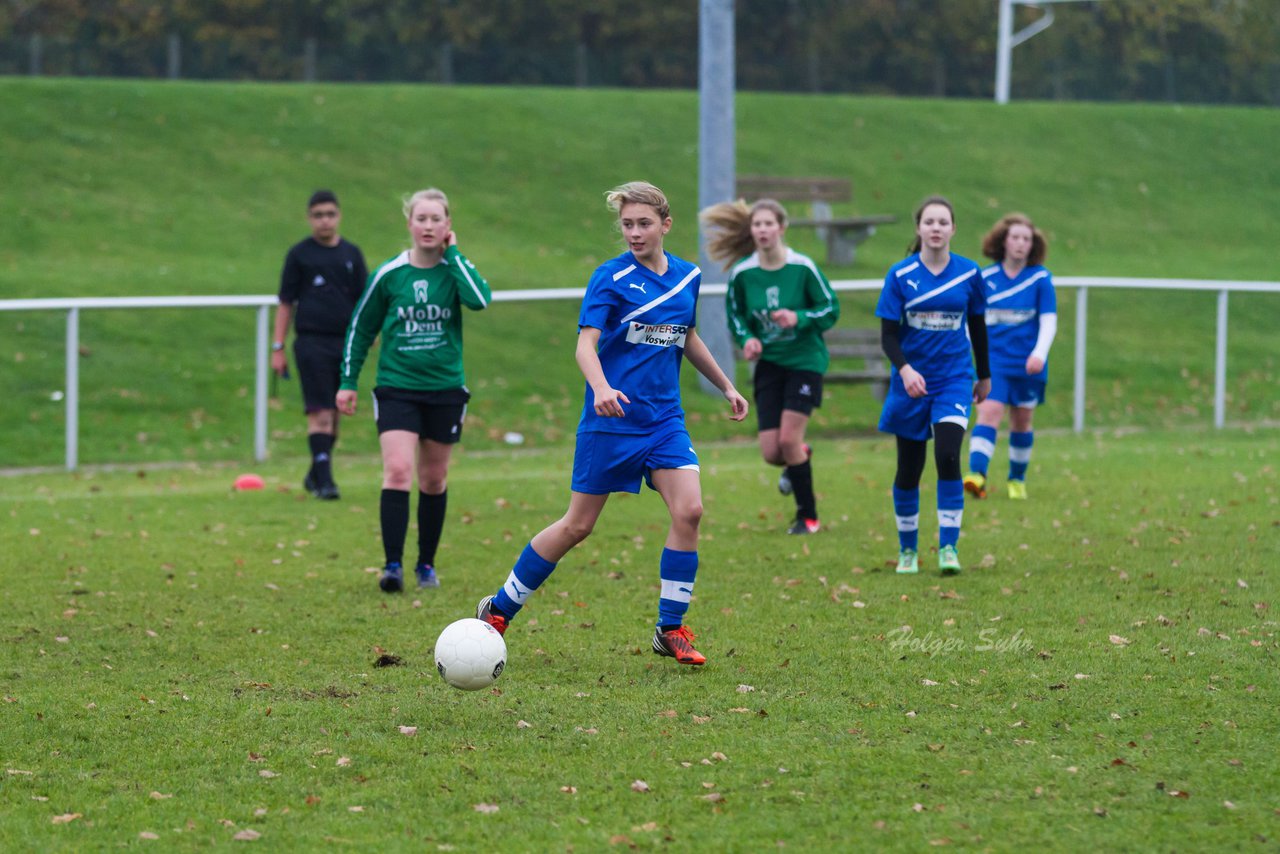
(716, 164)
(1007, 39)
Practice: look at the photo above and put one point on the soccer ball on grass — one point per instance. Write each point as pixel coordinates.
(470, 654)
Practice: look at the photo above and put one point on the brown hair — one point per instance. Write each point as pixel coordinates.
(639, 193)
(931, 200)
(993, 243)
(728, 228)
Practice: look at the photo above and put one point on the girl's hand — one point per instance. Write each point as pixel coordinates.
(752, 349)
(737, 403)
(784, 317)
(607, 403)
(981, 389)
(1034, 364)
(346, 401)
(913, 382)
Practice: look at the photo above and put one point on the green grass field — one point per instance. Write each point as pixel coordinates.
(125, 188)
(192, 665)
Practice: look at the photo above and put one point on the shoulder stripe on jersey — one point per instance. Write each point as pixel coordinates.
(794, 257)
(907, 269)
(988, 272)
(1018, 288)
(466, 274)
(664, 297)
(394, 264)
(945, 286)
(623, 272)
(751, 262)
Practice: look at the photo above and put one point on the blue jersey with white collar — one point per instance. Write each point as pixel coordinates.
(1014, 307)
(933, 312)
(643, 320)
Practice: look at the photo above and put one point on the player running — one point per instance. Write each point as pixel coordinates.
(414, 301)
(778, 304)
(1022, 319)
(636, 323)
(923, 309)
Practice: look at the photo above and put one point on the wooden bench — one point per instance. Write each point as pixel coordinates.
(841, 234)
(856, 358)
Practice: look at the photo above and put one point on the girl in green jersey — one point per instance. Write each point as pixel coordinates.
(414, 302)
(778, 305)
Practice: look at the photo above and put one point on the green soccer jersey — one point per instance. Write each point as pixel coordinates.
(418, 312)
(798, 285)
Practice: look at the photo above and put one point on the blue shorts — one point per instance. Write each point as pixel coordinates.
(617, 462)
(914, 417)
(1024, 391)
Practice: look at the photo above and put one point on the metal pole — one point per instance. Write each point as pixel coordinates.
(260, 388)
(72, 390)
(1004, 50)
(1082, 322)
(1220, 364)
(716, 162)
(175, 56)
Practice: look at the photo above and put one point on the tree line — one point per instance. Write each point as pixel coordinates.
(1203, 51)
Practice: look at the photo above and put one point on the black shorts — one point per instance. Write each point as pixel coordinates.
(778, 388)
(435, 415)
(319, 361)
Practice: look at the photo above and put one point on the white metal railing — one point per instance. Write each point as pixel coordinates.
(74, 305)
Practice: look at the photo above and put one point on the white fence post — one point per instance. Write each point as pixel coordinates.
(1220, 364)
(72, 391)
(260, 388)
(1082, 322)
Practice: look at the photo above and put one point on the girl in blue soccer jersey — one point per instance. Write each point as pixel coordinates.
(1022, 318)
(927, 302)
(414, 302)
(636, 323)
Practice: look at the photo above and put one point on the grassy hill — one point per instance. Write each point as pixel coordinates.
(148, 188)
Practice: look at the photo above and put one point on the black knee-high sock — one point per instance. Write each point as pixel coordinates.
(430, 524)
(802, 488)
(394, 509)
(321, 445)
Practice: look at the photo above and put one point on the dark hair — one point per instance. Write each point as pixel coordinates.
(320, 197)
(931, 200)
(993, 243)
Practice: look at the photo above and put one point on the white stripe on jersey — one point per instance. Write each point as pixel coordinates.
(1018, 289)
(907, 269)
(621, 273)
(946, 286)
(794, 257)
(663, 298)
(472, 282)
(394, 264)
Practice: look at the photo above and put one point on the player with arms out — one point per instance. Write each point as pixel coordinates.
(778, 304)
(1022, 319)
(414, 301)
(924, 306)
(322, 278)
(636, 324)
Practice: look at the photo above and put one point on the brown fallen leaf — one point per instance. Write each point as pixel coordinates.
(247, 835)
(408, 730)
(487, 809)
(639, 786)
(66, 817)
(1119, 641)
(158, 796)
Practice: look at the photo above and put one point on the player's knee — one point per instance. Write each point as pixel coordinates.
(577, 530)
(397, 475)
(688, 514)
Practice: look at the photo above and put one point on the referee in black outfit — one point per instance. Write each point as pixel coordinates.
(322, 280)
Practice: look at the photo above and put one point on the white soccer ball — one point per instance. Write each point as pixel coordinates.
(470, 654)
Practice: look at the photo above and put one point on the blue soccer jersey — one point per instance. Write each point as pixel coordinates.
(933, 313)
(1014, 308)
(643, 319)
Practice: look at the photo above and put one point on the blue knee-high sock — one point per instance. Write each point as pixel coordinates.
(982, 446)
(950, 511)
(906, 512)
(677, 570)
(1020, 454)
(526, 576)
